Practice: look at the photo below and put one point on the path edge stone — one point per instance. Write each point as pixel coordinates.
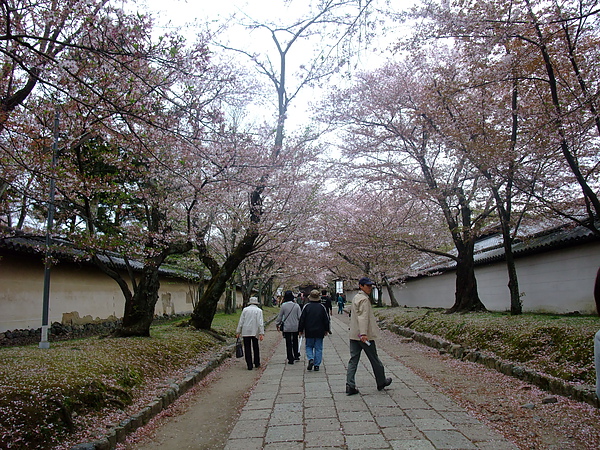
(172, 392)
(580, 392)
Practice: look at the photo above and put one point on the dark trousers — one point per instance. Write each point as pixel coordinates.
(356, 347)
(250, 344)
(291, 345)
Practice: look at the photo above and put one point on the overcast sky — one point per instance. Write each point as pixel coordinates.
(194, 13)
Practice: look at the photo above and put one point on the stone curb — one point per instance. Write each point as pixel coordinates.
(118, 433)
(582, 393)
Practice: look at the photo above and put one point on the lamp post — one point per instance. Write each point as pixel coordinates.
(47, 264)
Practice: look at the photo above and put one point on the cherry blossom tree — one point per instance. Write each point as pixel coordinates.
(144, 139)
(485, 123)
(344, 16)
(396, 136)
(554, 46)
(283, 202)
(535, 53)
(36, 35)
(364, 234)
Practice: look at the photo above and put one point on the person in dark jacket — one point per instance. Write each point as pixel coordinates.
(326, 300)
(341, 301)
(314, 325)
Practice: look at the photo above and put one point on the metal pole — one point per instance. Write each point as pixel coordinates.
(47, 264)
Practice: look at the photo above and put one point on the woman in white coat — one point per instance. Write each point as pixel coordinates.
(252, 328)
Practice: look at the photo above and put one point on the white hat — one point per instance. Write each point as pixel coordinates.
(253, 301)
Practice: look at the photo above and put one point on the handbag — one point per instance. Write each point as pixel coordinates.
(282, 324)
(239, 350)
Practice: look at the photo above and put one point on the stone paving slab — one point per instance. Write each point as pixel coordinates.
(292, 408)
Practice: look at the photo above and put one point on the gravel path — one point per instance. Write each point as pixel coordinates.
(203, 417)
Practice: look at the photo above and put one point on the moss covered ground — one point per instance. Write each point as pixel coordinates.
(47, 395)
(558, 345)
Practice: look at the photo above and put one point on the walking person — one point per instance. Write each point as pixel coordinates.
(252, 328)
(363, 332)
(315, 325)
(287, 322)
(326, 300)
(340, 302)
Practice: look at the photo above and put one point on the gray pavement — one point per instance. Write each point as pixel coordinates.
(292, 408)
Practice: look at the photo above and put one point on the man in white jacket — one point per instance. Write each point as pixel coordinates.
(252, 328)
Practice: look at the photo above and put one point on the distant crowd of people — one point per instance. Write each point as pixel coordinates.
(301, 298)
(307, 318)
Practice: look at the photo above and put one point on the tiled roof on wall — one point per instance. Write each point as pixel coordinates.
(490, 249)
(64, 250)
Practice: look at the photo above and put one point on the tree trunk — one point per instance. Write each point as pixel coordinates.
(230, 299)
(597, 292)
(234, 305)
(204, 311)
(379, 298)
(139, 305)
(139, 309)
(516, 307)
(8, 104)
(393, 301)
(467, 296)
(513, 280)
(269, 291)
(247, 286)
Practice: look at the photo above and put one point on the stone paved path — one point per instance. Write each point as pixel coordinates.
(292, 408)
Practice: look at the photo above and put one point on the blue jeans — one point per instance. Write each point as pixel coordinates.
(314, 350)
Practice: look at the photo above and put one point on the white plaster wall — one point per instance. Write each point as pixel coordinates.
(559, 281)
(435, 291)
(181, 301)
(21, 294)
(84, 290)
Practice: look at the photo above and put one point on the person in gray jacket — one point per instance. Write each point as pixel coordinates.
(287, 322)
